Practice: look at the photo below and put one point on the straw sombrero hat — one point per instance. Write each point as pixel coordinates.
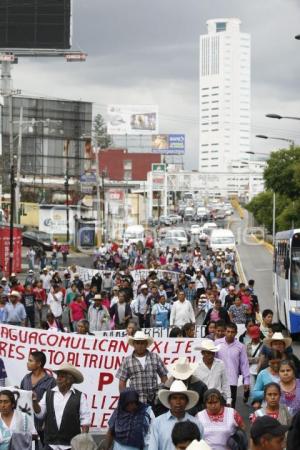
(140, 336)
(278, 337)
(68, 368)
(182, 369)
(178, 387)
(208, 346)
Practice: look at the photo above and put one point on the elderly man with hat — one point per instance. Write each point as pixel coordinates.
(141, 369)
(211, 370)
(15, 313)
(64, 409)
(178, 400)
(281, 343)
(98, 315)
(185, 371)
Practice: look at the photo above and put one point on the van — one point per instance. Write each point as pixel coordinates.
(134, 234)
(220, 239)
(180, 235)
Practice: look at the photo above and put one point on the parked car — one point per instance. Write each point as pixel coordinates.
(175, 218)
(195, 229)
(37, 239)
(180, 235)
(170, 242)
(164, 220)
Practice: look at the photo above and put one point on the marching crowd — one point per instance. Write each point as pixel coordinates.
(186, 405)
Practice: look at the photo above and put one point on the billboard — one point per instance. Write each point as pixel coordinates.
(132, 119)
(35, 24)
(168, 144)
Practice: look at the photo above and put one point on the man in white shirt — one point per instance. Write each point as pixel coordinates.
(54, 301)
(182, 311)
(64, 409)
(46, 278)
(211, 370)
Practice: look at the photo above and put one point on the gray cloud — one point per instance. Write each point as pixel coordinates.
(142, 51)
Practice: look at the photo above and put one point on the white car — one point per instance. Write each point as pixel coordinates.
(195, 229)
(210, 225)
(180, 235)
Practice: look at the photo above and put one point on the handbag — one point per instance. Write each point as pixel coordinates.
(238, 441)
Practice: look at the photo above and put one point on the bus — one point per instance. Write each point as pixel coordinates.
(286, 269)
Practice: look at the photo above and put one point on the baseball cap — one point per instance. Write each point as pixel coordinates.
(267, 425)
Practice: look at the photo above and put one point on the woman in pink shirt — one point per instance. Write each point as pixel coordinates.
(77, 310)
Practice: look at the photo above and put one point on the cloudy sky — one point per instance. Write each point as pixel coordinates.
(147, 52)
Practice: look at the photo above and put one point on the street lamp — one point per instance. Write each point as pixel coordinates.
(12, 214)
(292, 142)
(278, 116)
(263, 136)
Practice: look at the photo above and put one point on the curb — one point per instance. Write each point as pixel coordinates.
(267, 245)
(239, 267)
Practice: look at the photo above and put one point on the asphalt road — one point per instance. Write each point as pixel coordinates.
(256, 261)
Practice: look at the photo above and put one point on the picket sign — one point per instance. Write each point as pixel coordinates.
(97, 357)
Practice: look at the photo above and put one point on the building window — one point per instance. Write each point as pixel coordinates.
(127, 165)
(220, 26)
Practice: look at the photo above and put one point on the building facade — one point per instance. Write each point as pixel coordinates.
(120, 165)
(53, 135)
(224, 95)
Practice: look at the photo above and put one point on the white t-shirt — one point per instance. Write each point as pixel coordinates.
(142, 360)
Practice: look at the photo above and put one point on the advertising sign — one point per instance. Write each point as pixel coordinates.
(168, 144)
(133, 120)
(54, 220)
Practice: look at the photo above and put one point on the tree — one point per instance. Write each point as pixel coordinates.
(261, 207)
(100, 136)
(282, 174)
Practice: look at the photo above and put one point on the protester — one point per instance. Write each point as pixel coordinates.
(54, 301)
(268, 434)
(178, 400)
(271, 406)
(77, 310)
(38, 381)
(267, 319)
(217, 312)
(141, 369)
(83, 327)
(234, 356)
(293, 436)
(182, 311)
(98, 315)
(268, 375)
(290, 386)
(161, 312)
(129, 425)
(120, 312)
(211, 370)
(253, 351)
(15, 313)
(184, 434)
(64, 409)
(12, 420)
(52, 323)
(185, 371)
(219, 422)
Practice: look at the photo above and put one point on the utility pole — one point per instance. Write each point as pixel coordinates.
(99, 224)
(12, 213)
(19, 156)
(66, 151)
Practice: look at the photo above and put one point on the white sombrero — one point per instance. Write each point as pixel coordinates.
(198, 445)
(207, 345)
(178, 387)
(140, 336)
(182, 369)
(68, 368)
(278, 337)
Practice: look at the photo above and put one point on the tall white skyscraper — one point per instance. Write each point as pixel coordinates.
(224, 95)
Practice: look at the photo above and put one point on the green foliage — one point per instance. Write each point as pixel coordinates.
(282, 174)
(100, 137)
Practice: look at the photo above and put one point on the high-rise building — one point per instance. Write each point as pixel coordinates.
(224, 95)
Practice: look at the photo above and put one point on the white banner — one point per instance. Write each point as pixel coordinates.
(156, 332)
(98, 358)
